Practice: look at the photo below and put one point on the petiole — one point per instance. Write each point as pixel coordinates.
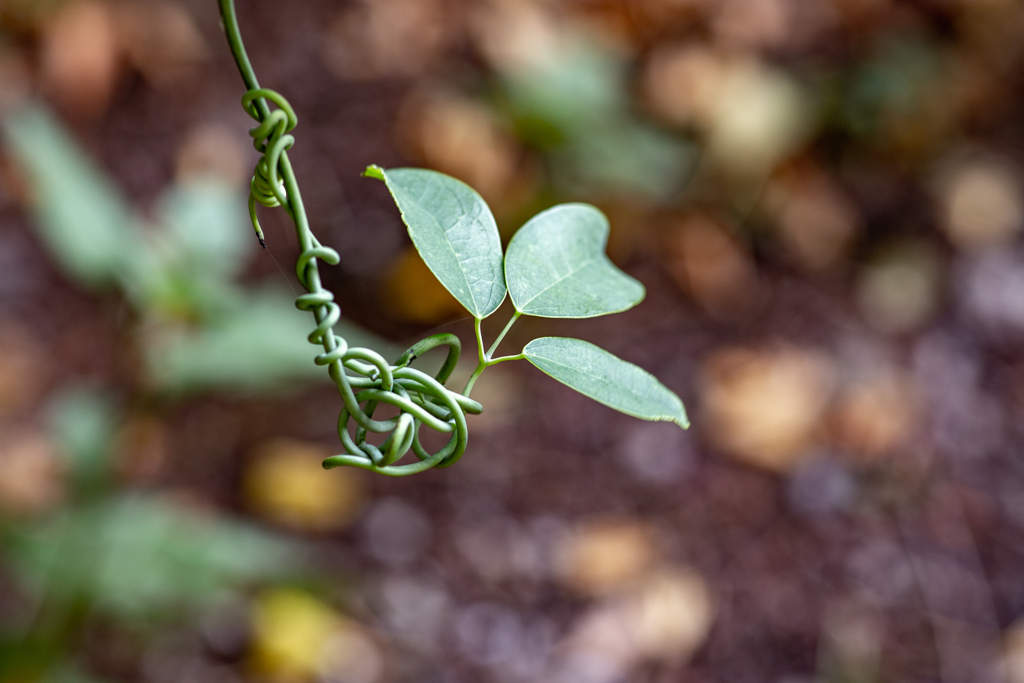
(501, 336)
(485, 360)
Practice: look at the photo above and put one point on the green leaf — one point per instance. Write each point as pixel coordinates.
(144, 557)
(556, 266)
(594, 372)
(205, 229)
(80, 214)
(257, 345)
(454, 232)
(577, 107)
(83, 421)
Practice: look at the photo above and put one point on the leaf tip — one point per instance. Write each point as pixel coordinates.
(374, 171)
(680, 418)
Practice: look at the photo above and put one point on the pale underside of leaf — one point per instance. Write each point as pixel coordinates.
(594, 372)
(453, 231)
(556, 266)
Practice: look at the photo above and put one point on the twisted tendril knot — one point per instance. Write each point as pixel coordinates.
(363, 377)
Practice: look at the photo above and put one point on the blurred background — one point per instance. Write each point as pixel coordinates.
(824, 200)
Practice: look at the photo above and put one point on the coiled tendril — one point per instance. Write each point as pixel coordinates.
(364, 378)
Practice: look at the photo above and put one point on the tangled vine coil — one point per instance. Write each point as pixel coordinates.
(363, 377)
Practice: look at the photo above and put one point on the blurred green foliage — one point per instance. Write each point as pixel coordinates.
(142, 557)
(82, 422)
(139, 559)
(200, 329)
(577, 110)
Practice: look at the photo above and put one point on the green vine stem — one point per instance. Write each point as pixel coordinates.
(419, 398)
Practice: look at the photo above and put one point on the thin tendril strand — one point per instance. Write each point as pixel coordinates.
(364, 379)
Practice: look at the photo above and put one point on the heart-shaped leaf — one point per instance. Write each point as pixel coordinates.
(594, 372)
(453, 231)
(556, 266)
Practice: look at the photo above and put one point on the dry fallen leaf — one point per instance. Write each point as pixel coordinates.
(81, 57)
(31, 473)
(213, 150)
(386, 38)
(665, 616)
(161, 40)
(712, 264)
(982, 203)
(875, 416)
(600, 557)
(816, 220)
(459, 136)
(765, 407)
(681, 82)
(752, 24)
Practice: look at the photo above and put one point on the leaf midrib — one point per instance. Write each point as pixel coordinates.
(587, 374)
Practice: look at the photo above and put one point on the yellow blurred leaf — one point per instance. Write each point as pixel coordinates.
(672, 614)
(286, 484)
(600, 557)
(415, 295)
(298, 638)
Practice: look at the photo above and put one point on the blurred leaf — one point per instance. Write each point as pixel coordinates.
(22, 661)
(206, 225)
(577, 108)
(139, 557)
(67, 672)
(895, 85)
(183, 269)
(293, 630)
(259, 345)
(594, 372)
(584, 84)
(81, 215)
(556, 266)
(284, 482)
(82, 421)
(627, 156)
(454, 231)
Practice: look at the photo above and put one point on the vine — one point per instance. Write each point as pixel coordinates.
(555, 267)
